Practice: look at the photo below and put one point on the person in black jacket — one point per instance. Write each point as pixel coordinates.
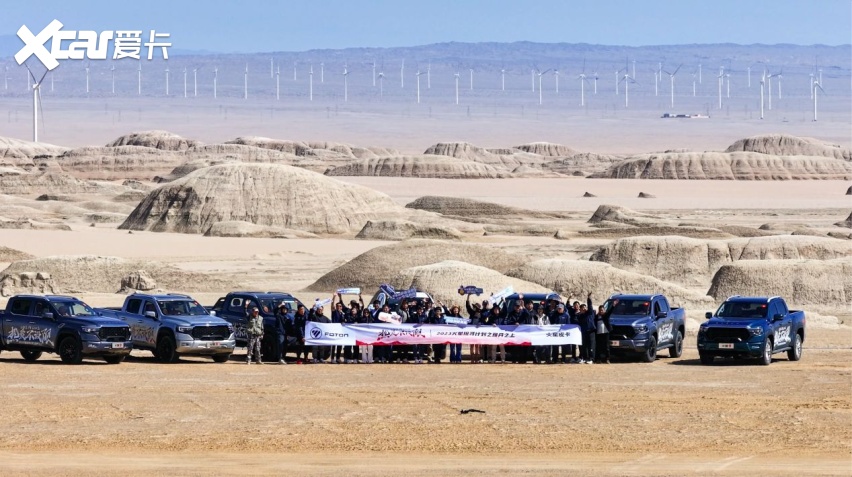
(295, 334)
(602, 329)
(282, 316)
(586, 317)
(560, 317)
(436, 317)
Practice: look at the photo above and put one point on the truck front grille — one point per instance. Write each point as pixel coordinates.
(114, 333)
(728, 335)
(211, 333)
(622, 333)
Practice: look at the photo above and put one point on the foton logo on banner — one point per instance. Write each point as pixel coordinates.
(86, 44)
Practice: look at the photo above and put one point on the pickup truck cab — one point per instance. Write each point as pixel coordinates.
(34, 324)
(752, 327)
(509, 302)
(644, 325)
(233, 308)
(172, 325)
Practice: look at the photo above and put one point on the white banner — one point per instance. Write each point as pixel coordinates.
(501, 295)
(349, 291)
(337, 334)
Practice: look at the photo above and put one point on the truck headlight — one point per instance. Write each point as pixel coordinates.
(756, 331)
(91, 329)
(184, 329)
(702, 331)
(639, 329)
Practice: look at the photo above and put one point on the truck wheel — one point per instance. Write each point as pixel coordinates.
(705, 358)
(221, 358)
(114, 358)
(795, 352)
(651, 353)
(677, 348)
(30, 355)
(766, 357)
(166, 349)
(70, 350)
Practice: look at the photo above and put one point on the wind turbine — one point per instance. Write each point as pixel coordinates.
(769, 91)
(245, 83)
(418, 86)
(278, 84)
(215, 81)
(112, 70)
(381, 84)
(322, 72)
(811, 84)
(36, 101)
(728, 84)
(457, 87)
(345, 83)
(556, 76)
(699, 74)
(471, 79)
(780, 75)
(167, 80)
(184, 82)
(595, 77)
(627, 80)
(693, 85)
(671, 78)
(762, 84)
(816, 86)
(294, 71)
(195, 82)
(87, 78)
(719, 80)
(311, 83)
(540, 74)
(502, 78)
(583, 81)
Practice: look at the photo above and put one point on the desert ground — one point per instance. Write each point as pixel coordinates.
(598, 208)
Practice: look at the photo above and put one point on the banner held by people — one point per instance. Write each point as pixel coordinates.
(337, 334)
(470, 290)
(349, 291)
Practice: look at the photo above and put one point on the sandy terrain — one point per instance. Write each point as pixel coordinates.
(672, 417)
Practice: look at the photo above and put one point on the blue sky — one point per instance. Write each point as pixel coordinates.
(298, 25)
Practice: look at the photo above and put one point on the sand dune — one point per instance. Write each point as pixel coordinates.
(728, 166)
(786, 145)
(440, 167)
(263, 194)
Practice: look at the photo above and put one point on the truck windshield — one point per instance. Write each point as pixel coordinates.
(71, 308)
(182, 307)
(632, 308)
(733, 309)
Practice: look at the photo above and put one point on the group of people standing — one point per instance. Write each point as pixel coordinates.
(594, 327)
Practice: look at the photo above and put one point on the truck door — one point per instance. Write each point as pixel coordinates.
(16, 320)
(665, 324)
(236, 314)
(782, 329)
(48, 327)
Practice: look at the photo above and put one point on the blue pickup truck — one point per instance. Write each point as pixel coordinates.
(644, 325)
(752, 327)
(172, 325)
(233, 309)
(35, 324)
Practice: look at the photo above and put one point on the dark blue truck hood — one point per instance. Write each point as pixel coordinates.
(92, 320)
(629, 320)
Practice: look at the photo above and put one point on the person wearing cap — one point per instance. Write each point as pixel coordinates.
(561, 317)
(282, 316)
(602, 329)
(574, 312)
(254, 332)
(516, 316)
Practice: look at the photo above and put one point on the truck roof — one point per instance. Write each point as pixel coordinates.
(162, 296)
(49, 297)
(535, 296)
(262, 294)
(635, 297)
(751, 299)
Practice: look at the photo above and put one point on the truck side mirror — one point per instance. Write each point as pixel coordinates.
(213, 313)
(778, 317)
(708, 315)
(151, 314)
(662, 314)
(47, 315)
